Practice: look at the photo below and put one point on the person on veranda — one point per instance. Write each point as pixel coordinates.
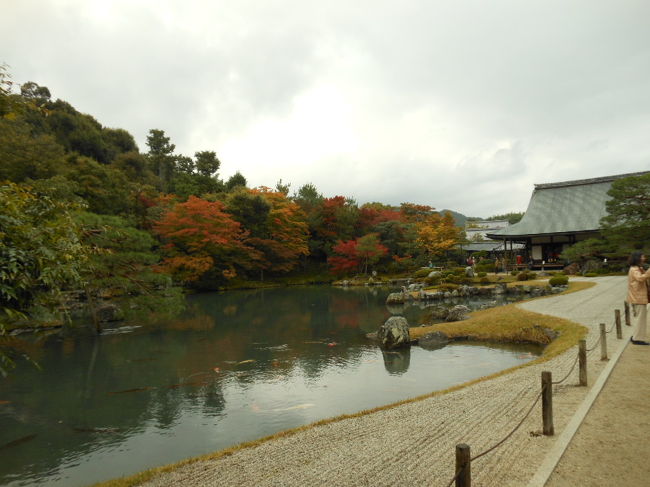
(637, 295)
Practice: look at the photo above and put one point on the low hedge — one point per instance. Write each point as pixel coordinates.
(559, 280)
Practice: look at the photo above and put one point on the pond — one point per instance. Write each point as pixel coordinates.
(233, 367)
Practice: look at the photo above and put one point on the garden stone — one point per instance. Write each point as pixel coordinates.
(439, 312)
(394, 333)
(395, 298)
(469, 272)
(433, 341)
(433, 274)
(458, 313)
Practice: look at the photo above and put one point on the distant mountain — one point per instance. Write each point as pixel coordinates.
(459, 218)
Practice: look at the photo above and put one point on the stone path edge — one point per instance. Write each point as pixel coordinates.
(553, 457)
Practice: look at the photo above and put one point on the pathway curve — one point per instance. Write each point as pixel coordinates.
(413, 444)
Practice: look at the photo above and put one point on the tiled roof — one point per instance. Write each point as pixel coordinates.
(567, 207)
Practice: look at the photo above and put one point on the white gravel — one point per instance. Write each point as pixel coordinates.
(414, 444)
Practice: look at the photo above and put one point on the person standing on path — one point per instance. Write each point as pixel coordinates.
(637, 296)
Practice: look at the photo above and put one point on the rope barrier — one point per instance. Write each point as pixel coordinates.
(455, 477)
(569, 373)
(512, 432)
(496, 445)
(595, 345)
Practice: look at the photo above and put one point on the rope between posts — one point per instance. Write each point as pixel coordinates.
(595, 345)
(455, 477)
(612, 328)
(476, 457)
(569, 373)
(513, 431)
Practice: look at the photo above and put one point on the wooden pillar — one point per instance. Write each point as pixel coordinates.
(617, 318)
(463, 466)
(547, 403)
(603, 342)
(582, 362)
(626, 305)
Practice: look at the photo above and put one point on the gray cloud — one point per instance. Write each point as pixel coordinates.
(460, 105)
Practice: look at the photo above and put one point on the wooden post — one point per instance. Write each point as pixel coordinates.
(547, 403)
(582, 361)
(617, 317)
(626, 305)
(463, 466)
(603, 342)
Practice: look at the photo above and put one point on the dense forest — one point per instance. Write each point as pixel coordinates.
(84, 210)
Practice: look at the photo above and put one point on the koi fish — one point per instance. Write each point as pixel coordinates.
(332, 344)
(249, 361)
(5, 402)
(183, 384)
(137, 389)
(97, 430)
(18, 441)
(293, 408)
(257, 409)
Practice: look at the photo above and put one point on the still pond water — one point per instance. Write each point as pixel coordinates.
(233, 367)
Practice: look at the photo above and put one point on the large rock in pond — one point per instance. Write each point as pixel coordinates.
(458, 313)
(433, 341)
(395, 298)
(394, 333)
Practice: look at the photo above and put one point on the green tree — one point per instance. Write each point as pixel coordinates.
(40, 95)
(512, 217)
(235, 180)
(627, 224)
(207, 163)
(24, 155)
(41, 254)
(161, 156)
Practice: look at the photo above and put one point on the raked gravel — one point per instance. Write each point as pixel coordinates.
(414, 444)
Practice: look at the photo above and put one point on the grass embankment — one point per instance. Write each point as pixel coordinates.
(510, 323)
(504, 323)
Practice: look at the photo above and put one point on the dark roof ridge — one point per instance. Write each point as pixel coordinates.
(578, 182)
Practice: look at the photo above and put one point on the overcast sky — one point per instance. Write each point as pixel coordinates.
(456, 104)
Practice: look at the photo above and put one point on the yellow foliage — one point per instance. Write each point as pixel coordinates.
(438, 233)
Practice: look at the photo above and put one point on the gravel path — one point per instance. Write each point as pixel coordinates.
(413, 444)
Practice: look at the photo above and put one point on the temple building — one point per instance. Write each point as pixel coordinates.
(558, 215)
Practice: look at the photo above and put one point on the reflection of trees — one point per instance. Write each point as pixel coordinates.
(397, 361)
(69, 407)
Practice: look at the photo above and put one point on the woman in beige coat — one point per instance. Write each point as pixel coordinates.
(637, 296)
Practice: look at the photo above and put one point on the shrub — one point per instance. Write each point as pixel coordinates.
(531, 275)
(522, 276)
(484, 267)
(482, 274)
(432, 281)
(484, 280)
(514, 273)
(422, 272)
(447, 287)
(459, 271)
(591, 274)
(559, 280)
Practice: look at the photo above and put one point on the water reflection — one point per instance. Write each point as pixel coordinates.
(232, 367)
(397, 361)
